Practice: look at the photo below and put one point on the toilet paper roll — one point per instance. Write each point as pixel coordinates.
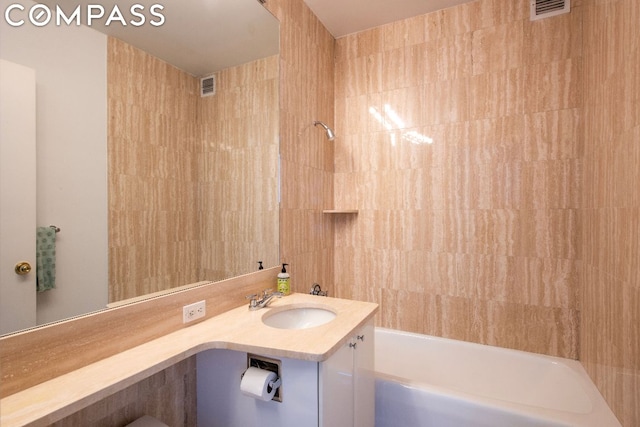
(257, 383)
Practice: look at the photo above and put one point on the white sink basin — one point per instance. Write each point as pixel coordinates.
(298, 317)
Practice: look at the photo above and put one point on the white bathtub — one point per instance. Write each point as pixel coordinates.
(424, 381)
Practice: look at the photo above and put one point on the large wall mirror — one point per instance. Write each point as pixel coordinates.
(154, 177)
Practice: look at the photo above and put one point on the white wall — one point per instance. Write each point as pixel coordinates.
(71, 98)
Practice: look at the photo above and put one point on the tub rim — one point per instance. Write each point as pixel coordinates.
(599, 415)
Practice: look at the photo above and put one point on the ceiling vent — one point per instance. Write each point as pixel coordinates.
(208, 86)
(545, 8)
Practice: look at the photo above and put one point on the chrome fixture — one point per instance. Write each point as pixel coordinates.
(330, 134)
(317, 290)
(257, 304)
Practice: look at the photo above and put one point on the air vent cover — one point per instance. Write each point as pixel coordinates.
(208, 86)
(545, 8)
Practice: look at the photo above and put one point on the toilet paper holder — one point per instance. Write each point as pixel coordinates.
(275, 384)
(268, 364)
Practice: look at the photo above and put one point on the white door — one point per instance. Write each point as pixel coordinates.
(17, 196)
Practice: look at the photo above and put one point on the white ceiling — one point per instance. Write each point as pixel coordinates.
(342, 17)
(198, 36)
(203, 36)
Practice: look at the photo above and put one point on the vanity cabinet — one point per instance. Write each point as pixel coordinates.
(334, 393)
(347, 383)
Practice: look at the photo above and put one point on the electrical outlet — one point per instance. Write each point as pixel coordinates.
(193, 311)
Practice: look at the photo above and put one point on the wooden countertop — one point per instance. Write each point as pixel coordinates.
(237, 329)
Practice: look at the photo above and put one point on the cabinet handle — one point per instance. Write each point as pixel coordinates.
(360, 337)
(353, 344)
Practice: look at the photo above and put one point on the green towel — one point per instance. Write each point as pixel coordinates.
(45, 258)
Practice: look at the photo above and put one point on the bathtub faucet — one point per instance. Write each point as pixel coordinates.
(257, 304)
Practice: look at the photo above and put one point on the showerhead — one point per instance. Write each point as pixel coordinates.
(330, 135)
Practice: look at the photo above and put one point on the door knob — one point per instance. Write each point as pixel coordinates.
(23, 268)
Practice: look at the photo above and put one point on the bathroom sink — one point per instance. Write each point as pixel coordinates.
(297, 317)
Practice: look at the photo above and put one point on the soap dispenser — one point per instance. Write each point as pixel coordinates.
(284, 281)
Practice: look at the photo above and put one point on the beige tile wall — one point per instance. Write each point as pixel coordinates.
(460, 142)
(610, 328)
(238, 173)
(306, 95)
(152, 141)
(192, 181)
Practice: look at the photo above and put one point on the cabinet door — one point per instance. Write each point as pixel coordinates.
(336, 388)
(364, 377)
(347, 383)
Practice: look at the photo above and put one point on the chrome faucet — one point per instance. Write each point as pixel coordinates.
(257, 304)
(317, 290)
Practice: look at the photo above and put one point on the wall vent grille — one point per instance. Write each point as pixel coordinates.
(208, 86)
(545, 8)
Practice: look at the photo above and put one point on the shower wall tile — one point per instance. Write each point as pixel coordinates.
(553, 135)
(610, 301)
(407, 32)
(448, 59)
(498, 94)
(408, 70)
(553, 86)
(549, 40)
(457, 20)
(307, 52)
(462, 150)
(489, 51)
(360, 76)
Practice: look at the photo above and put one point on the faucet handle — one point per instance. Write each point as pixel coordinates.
(317, 290)
(268, 292)
(253, 302)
